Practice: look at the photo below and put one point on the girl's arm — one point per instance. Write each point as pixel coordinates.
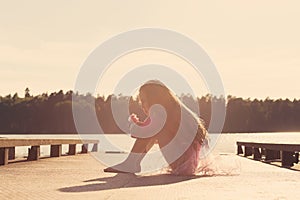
(150, 127)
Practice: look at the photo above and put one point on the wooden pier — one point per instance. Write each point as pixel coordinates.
(82, 177)
(287, 154)
(7, 147)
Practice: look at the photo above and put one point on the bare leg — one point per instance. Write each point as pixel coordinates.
(132, 163)
(142, 145)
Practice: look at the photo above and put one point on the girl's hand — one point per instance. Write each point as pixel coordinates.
(134, 118)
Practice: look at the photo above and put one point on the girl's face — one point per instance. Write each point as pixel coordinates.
(144, 104)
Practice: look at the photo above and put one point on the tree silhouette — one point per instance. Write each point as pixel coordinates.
(53, 113)
(27, 92)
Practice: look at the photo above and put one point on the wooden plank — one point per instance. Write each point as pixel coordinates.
(271, 146)
(4, 156)
(7, 147)
(7, 142)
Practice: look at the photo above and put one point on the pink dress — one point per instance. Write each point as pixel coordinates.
(189, 162)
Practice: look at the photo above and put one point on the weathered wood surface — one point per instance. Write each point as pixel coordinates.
(7, 147)
(288, 154)
(271, 146)
(8, 142)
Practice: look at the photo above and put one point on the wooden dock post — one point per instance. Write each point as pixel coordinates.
(272, 154)
(256, 154)
(239, 150)
(263, 153)
(12, 153)
(84, 148)
(56, 150)
(33, 153)
(95, 147)
(288, 158)
(72, 149)
(4, 156)
(297, 157)
(248, 151)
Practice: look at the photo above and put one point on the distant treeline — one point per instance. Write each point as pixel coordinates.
(53, 113)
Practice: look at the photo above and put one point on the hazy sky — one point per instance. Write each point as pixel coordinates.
(255, 45)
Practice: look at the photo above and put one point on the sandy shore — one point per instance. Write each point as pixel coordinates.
(81, 177)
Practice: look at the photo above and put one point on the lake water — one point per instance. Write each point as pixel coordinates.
(226, 143)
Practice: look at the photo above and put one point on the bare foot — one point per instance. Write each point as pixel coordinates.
(123, 168)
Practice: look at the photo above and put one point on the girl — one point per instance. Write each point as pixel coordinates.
(179, 132)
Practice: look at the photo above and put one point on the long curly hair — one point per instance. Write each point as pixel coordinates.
(155, 92)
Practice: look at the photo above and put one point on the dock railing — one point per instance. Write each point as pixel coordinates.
(7, 147)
